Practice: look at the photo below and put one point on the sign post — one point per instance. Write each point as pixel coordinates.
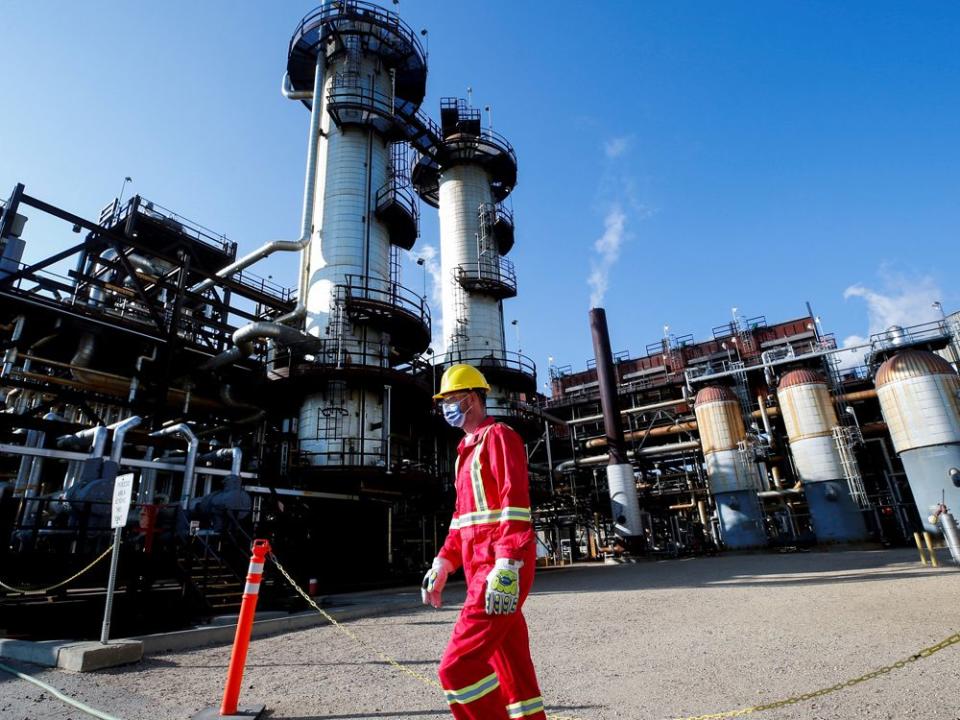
(122, 494)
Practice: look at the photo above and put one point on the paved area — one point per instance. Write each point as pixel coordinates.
(646, 642)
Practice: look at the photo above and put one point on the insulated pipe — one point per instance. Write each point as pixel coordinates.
(119, 432)
(193, 443)
(26, 462)
(633, 410)
(135, 380)
(309, 186)
(10, 356)
(672, 449)
(36, 468)
(761, 402)
(234, 453)
(244, 338)
(674, 429)
(97, 436)
(286, 89)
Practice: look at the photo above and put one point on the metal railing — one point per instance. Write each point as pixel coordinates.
(398, 192)
(176, 222)
(896, 336)
(507, 360)
(385, 293)
(350, 10)
(487, 272)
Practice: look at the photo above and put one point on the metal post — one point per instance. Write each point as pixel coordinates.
(916, 539)
(928, 539)
(111, 586)
(546, 430)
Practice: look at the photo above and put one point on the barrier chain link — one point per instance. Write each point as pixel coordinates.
(793, 700)
(40, 591)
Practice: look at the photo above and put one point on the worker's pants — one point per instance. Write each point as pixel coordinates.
(486, 671)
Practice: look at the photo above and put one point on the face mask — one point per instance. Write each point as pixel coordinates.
(453, 413)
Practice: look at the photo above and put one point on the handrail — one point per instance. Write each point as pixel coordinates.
(156, 211)
(388, 292)
(357, 8)
(504, 359)
(499, 270)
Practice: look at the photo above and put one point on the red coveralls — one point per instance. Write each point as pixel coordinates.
(486, 671)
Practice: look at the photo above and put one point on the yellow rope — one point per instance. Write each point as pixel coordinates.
(793, 700)
(40, 591)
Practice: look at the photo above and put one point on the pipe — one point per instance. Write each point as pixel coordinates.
(286, 89)
(702, 512)
(387, 401)
(671, 449)
(96, 293)
(10, 356)
(767, 428)
(785, 492)
(244, 338)
(633, 410)
(606, 379)
(193, 444)
(36, 469)
(684, 506)
(119, 432)
(234, 453)
(135, 380)
(26, 462)
(97, 436)
(302, 243)
(676, 428)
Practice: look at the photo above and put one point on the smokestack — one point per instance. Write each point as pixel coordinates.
(612, 424)
(623, 490)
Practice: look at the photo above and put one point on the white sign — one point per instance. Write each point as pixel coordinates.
(122, 493)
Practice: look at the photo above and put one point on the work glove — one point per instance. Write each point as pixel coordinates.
(503, 587)
(434, 581)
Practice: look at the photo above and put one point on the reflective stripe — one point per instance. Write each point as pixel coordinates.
(255, 567)
(525, 707)
(473, 692)
(476, 477)
(251, 588)
(489, 517)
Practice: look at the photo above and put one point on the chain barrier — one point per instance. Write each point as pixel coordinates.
(741, 712)
(40, 591)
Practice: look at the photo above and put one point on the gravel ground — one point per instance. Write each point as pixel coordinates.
(648, 641)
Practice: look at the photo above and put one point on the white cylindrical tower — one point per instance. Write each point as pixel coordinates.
(468, 175)
(919, 395)
(809, 417)
(734, 490)
(373, 74)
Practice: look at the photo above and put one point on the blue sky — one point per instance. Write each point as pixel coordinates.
(755, 155)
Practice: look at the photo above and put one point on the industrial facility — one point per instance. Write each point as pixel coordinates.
(302, 412)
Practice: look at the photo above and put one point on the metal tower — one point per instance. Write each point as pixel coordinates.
(368, 71)
(467, 176)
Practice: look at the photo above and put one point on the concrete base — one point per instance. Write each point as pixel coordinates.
(85, 657)
(72, 655)
(249, 712)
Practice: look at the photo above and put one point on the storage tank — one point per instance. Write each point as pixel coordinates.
(809, 417)
(919, 395)
(732, 486)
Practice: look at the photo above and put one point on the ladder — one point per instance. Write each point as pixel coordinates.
(847, 438)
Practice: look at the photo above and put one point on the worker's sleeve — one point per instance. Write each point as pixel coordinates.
(451, 547)
(508, 463)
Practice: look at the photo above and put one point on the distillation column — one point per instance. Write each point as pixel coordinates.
(733, 487)
(368, 64)
(919, 395)
(809, 417)
(468, 176)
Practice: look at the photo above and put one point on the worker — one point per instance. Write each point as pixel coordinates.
(486, 671)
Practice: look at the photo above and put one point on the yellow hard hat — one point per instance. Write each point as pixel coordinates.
(461, 377)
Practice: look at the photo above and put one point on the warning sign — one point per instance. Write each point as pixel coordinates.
(122, 494)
